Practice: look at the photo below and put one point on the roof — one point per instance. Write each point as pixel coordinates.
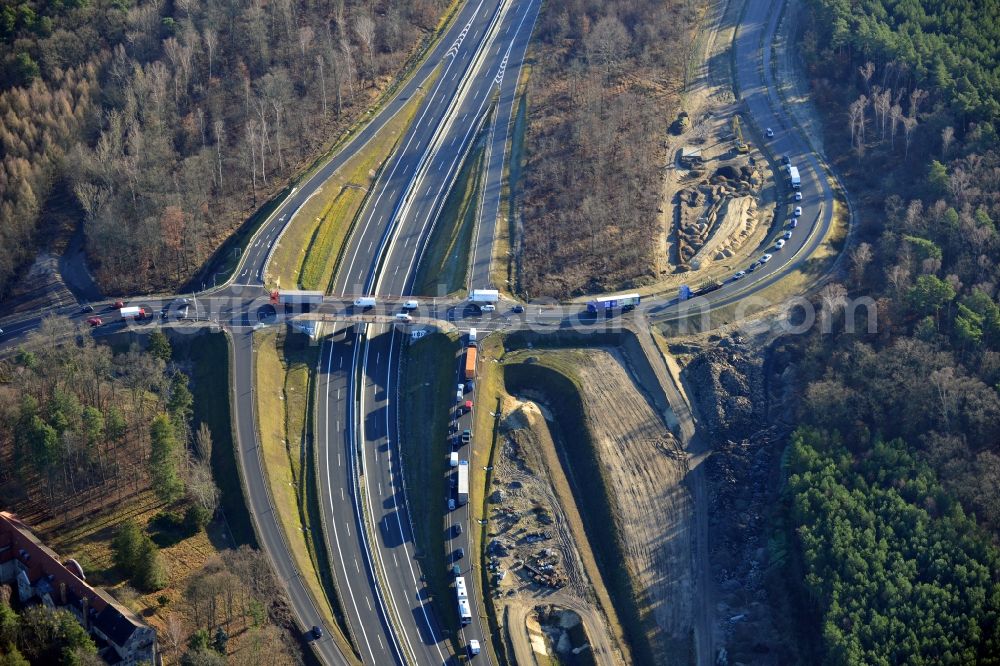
(46, 572)
(114, 625)
(690, 151)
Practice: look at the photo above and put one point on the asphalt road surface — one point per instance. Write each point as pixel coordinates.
(358, 421)
(361, 481)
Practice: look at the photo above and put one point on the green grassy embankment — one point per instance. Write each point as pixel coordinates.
(505, 265)
(284, 376)
(444, 268)
(208, 355)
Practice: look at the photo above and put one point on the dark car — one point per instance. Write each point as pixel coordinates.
(317, 632)
(517, 309)
(87, 308)
(459, 553)
(466, 436)
(457, 529)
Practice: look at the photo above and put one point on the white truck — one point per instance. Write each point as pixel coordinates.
(463, 482)
(460, 588)
(297, 297)
(464, 611)
(793, 176)
(134, 312)
(484, 297)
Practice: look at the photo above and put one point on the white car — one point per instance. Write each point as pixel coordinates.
(769, 132)
(489, 307)
(797, 196)
(473, 647)
(404, 317)
(779, 244)
(739, 276)
(766, 258)
(787, 235)
(797, 211)
(411, 305)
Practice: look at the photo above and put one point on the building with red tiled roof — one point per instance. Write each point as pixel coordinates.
(40, 577)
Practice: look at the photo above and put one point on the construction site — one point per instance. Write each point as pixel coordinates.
(589, 529)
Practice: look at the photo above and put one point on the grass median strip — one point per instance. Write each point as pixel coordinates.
(445, 267)
(284, 373)
(310, 248)
(504, 272)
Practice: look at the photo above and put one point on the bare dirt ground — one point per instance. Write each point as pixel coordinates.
(42, 287)
(740, 383)
(641, 458)
(535, 521)
(691, 196)
(643, 463)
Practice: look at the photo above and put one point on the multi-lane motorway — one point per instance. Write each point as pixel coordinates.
(366, 523)
(363, 484)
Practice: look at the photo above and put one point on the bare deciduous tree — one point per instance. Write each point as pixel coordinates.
(947, 136)
(861, 256)
(364, 28)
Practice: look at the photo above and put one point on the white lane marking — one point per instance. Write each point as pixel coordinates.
(336, 538)
(359, 571)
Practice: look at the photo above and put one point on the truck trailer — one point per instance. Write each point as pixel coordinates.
(134, 312)
(464, 611)
(484, 296)
(463, 481)
(793, 176)
(296, 297)
(623, 302)
(470, 362)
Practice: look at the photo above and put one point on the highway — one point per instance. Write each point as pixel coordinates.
(364, 500)
(366, 522)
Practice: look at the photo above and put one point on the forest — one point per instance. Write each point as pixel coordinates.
(163, 125)
(903, 574)
(900, 449)
(101, 451)
(81, 425)
(605, 75)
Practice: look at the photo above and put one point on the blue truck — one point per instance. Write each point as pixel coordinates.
(623, 303)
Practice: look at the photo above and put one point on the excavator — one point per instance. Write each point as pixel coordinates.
(741, 145)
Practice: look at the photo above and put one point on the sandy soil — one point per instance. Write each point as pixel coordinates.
(709, 101)
(526, 479)
(642, 459)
